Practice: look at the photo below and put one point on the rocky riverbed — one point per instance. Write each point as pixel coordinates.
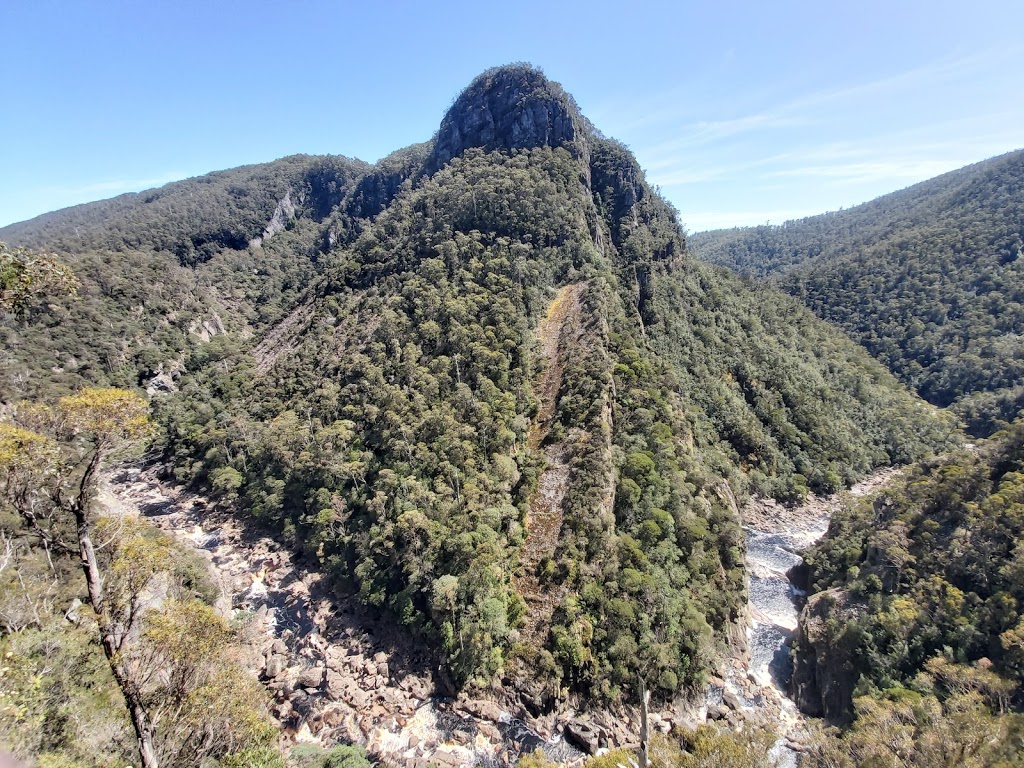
(337, 675)
(776, 536)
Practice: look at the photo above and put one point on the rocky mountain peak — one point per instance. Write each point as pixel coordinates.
(511, 107)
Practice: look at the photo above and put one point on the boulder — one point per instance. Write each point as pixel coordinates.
(312, 677)
(490, 732)
(584, 734)
(71, 614)
(335, 684)
(446, 759)
(485, 710)
(718, 712)
(276, 666)
(731, 700)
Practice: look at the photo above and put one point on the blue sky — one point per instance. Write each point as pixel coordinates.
(742, 112)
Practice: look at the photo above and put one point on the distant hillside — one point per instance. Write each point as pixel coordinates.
(481, 383)
(163, 271)
(928, 279)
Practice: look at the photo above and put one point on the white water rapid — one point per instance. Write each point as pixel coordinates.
(776, 535)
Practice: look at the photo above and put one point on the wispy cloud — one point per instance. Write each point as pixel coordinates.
(808, 130)
(858, 173)
(677, 106)
(833, 148)
(712, 131)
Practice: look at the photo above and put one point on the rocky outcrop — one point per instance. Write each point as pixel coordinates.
(823, 676)
(513, 107)
(381, 184)
(586, 735)
(284, 214)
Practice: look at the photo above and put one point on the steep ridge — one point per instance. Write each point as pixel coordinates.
(389, 434)
(928, 279)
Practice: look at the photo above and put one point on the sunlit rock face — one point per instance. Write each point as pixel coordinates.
(513, 107)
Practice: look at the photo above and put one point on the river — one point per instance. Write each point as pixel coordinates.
(776, 535)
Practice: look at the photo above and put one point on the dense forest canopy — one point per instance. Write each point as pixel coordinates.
(929, 280)
(917, 608)
(354, 361)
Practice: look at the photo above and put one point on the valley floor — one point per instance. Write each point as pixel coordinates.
(335, 674)
(338, 676)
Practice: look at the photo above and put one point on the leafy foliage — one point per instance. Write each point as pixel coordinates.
(928, 279)
(168, 654)
(906, 728)
(932, 571)
(390, 440)
(26, 278)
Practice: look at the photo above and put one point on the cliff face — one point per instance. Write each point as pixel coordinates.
(512, 107)
(823, 677)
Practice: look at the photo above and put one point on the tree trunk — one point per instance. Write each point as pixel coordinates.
(111, 635)
(645, 743)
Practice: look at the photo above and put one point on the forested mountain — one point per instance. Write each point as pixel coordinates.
(915, 620)
(928, 279)
(481, 383)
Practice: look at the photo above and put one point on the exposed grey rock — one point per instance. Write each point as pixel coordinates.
(823, 680)
(161, 384)
(276, 666)
(485, 710)
(718, 712)
(335, 684)
(283, 213)
(584, 734)
(311, 678)
(510, 108)
(72, 612)
(731, 700)
(445, 759)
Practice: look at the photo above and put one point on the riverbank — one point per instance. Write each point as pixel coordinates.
(776, 536)
(338, 675)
